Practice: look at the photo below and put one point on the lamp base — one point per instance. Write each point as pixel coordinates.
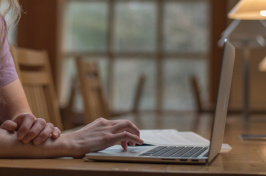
(253, 136)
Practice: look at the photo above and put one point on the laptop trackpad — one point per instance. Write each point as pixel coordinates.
(118, 150)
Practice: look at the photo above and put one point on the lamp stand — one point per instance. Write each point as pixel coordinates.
(245, 65)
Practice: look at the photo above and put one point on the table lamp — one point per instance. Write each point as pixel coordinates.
(248, 30)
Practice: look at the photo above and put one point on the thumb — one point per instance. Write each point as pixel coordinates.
(9, 125)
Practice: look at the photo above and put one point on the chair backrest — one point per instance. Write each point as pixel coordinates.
(35, 75)
(95, 104)
(196, 94)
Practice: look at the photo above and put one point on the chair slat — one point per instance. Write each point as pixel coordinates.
(34, 78)
(29, 57)
(35, 74)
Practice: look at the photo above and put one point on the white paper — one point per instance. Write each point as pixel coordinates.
(176, 138)
(172, 137)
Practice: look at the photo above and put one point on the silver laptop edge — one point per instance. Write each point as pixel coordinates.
(222, 99)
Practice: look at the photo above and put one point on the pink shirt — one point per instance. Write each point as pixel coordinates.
(8, 72)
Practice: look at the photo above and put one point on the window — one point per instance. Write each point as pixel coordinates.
(123, 35)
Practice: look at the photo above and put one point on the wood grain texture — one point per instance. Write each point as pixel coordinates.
(245, 158)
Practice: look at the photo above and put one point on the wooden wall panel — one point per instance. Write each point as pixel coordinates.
(37, 28)
(218, 19)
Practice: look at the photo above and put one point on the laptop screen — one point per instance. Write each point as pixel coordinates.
(222, 99)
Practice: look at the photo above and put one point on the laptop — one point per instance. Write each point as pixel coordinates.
(183, 154)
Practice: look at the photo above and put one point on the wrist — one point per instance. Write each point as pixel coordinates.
(68, 146)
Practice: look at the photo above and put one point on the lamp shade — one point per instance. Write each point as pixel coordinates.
(249, 10)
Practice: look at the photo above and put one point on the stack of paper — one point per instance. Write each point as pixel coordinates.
(172, 137)
(176, 138)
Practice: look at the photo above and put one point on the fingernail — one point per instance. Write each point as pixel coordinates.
(37, 141)
(56, 135)
(25, 140)
(20, 136)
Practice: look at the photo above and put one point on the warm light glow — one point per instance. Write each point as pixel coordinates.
(263, 13)
(249, 10)
(262, 67)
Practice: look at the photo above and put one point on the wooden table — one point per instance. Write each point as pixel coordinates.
(246, 157)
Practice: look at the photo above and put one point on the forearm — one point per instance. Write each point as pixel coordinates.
(11, 147)
(15, 101)
(95, 136)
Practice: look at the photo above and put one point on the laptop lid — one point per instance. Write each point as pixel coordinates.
(222, 99)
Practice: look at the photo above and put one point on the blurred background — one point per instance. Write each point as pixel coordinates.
(168, 41)
(167, 55)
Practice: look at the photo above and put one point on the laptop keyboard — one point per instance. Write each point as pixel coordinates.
(175, 151)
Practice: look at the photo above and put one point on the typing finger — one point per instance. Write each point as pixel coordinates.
(35, 130)
(125, 125)
(126, 136)
(124, 144)
(44, 134)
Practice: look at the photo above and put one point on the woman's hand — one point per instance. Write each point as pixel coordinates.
(31, 129)
(101, 134)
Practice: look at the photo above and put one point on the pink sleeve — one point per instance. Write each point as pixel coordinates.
(8, 72)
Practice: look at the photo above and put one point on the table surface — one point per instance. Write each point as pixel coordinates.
(246, 157)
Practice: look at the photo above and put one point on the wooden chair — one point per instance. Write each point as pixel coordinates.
(35, 75)
(95, 104)
(94, 100)
(200, 108)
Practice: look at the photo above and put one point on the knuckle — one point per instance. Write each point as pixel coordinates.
(99, 120)
(50, 125)
(127, 123)
(44, 135)
(42, 121)
(125, 134)
(24, 129)
(30, 116)
(32, 133)
(102, 121)
(57, 130)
